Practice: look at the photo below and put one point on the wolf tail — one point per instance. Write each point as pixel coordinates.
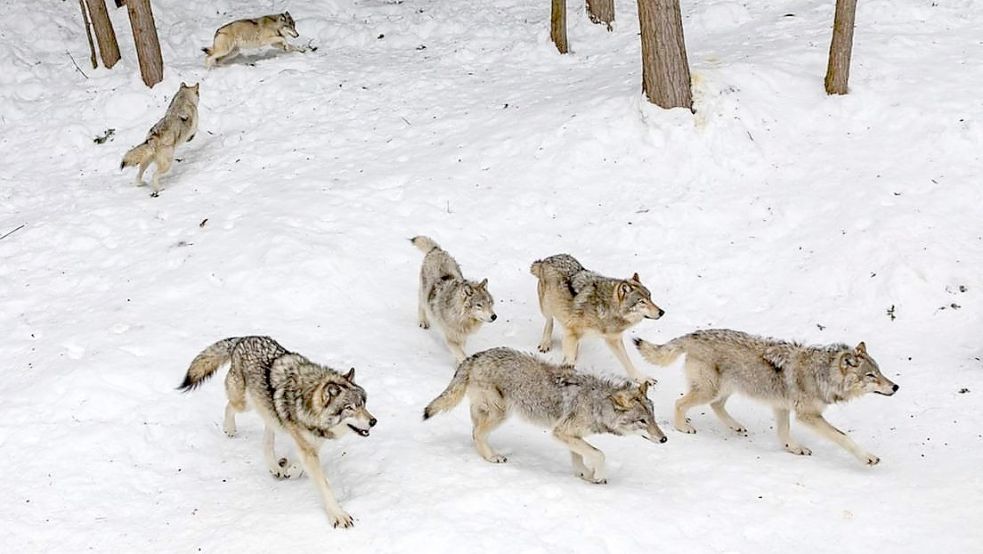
(425, 244)
(537, 269)
(205, 363)
(138, 154)
(453, 394)
(207, 50)
(659, 354)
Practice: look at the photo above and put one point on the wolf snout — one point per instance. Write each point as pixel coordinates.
(372, 422)
(663, 439)
(895, 388)
(494, 317)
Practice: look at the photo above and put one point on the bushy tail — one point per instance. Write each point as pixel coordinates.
(453, 394)
(137, 155)
(659, 354)
(425, 244)
(207, 50)
(537, 269)
(205, 363)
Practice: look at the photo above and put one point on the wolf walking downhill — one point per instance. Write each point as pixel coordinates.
(310, 402)
(786, 375)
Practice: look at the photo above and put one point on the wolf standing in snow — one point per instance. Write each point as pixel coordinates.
(269, 30)
(457, 305)
(788, 376)
(179, 125)
(308, 401)
(586, 302)
(501, 381)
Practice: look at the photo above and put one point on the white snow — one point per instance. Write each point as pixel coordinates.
(774, 209)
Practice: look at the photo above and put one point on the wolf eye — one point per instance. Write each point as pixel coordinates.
(871, 376)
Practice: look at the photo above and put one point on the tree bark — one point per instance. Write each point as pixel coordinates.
(665, 71)
(841, 47)
(601, 11)
(88, 34)
(558, 25)
(105, 35)
(145, 38)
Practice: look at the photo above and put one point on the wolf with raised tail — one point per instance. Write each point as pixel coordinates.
(585, 302)
(458, 306)
(308, 401)
(787, 376)
(178, 126)
(502, 381)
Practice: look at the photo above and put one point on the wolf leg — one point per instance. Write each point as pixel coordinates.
(164, 159)
(282, 44)
(235, 390)
(819, 424)
(281, 468)
(571, 344)
(457, 348)
(546, 343)
(724, 415)
(312, 463)
(781, 425)
(592, 458)
(143, 167)
(618, 347)
(579, 469)
(696, 396)
(485, 419)
(421, 312)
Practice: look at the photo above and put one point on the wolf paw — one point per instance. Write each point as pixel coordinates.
(424, 325)
(588, 476)
(231, 433)
(685, 427)
(870, 459)
(739, 429)
(497, 459)
(155, 194)
(286, 470)
(342, 520)
(545, 347)
(798, 450)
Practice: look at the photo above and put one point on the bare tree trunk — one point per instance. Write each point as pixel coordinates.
(601, 11)
(841, 47)
(145, 38)
(105, 35)
(665, 71)
(88, 34)
(558, 25)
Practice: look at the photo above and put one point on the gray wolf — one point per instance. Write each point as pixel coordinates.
(178, 126)
(502, 381)
(785, 375)
(269, 30)
(585, 302)
(456, 305)
(309, 402)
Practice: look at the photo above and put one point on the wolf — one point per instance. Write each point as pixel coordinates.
(586, 302)
(501, 381)
(457, 305)
(786, 375)
(269, 30)
(309, 402)
(179, 125)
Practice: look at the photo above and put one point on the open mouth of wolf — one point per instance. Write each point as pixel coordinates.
(363, 432)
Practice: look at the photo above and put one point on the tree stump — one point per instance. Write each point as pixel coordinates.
(601, 11)
(841, 47)
(665, 71)
(105, 34)
(145, 38)
(558, 25)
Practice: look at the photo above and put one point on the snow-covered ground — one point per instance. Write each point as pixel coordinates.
(775, 209)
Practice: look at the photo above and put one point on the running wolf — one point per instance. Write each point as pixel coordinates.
(457, 305)
(786, 375)
(310, 402)
(501, 381)
(269, 30)
(586, 302)
(178, 126)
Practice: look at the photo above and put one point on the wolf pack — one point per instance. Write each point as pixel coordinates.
(311, 402)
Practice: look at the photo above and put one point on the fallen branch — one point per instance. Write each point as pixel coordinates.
(76, 65)
(14, 231)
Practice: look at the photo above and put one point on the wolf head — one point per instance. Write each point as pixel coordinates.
(632, 413)
(287, 25)
(860, 374)
(478, 302)
(340, 405)
(190, 89)
(635, 301)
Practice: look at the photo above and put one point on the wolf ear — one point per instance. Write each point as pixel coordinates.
(350, 376)
(621, 400)
(849, 360)
(861, 348)
(331, 391)
(624, 288)
(643, 388)
(636, 278)
(483, 284)
(468, 290)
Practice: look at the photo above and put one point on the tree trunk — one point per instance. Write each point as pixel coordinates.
(601, 11)
(841, 47)
(558, 25)
(88, 34)
(145, 38)
(665, 71)
(105, 35)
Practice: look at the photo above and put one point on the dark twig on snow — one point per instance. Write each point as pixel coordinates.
(14, 231)
(76, 65)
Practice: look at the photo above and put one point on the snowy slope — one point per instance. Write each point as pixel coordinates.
(775, 209)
